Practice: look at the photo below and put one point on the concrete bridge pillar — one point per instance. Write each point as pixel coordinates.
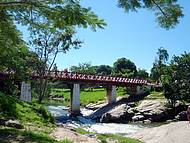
(25, 94)
(139, 90)
(111, 94)
(133, 90)
(75, 99)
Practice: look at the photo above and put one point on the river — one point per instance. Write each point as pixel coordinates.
(62, 116)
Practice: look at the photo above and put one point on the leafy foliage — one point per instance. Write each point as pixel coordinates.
(104, 70)
(168, 12)
(85, 68)
(176, 80)
(142, 74)
(159, 65)
(124, 67)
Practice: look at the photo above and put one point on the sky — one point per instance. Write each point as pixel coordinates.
(135, 36)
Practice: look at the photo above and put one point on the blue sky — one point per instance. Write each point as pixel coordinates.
(135, 36)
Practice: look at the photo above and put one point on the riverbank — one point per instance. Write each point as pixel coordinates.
(32, 123)
(25, 122)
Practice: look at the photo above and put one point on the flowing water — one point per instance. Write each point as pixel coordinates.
(62, 116)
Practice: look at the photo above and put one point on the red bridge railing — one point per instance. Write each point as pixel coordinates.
(78, 77)
(62, 75)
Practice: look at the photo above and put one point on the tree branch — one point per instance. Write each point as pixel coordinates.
(160, 9)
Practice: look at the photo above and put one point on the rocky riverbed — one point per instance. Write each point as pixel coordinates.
(146, 111)
(143, 120)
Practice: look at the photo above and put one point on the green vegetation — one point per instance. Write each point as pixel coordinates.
(167, 12)
(155, 95)
(52, 28)
(86, 96)
(34, 113)
(176, 79)
(37, 121)
(9, 134)
(105, 137)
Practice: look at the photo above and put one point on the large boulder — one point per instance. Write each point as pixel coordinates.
(153, 110)
(14, 123)
(138, 118)
(119, 114)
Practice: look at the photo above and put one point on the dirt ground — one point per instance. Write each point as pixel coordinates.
(60, 133)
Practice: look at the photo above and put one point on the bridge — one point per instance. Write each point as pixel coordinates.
(76, 79)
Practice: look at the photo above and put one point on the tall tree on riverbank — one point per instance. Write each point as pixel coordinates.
(159, 64)
(176, 81)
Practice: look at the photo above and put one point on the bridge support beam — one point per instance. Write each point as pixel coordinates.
(111, 94)
(75, 99)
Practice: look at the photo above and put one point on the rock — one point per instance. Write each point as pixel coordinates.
(2, 122)
(138, 118)
(175, 132)
(153, 110)
(96, 106)
(14, 124)
(119, 114)
(147, 121)
(179, 107)
(182, 116)
(131, 104)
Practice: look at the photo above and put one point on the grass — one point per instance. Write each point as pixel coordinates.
(119, 139)
(36, 120)
(86, 96)
(155, 95)
(8, 135)
(105, 137)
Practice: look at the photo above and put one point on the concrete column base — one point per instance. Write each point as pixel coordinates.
(75, 100)
(111, 94)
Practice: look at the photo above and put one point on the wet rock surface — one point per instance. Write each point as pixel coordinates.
(119, 114)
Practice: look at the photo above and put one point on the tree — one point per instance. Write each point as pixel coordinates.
(168, 12)
(124, 67)
(58, 13)
(104, 70)
(142, 74)
(14, 54)
(52, 27)
(176, 81)
(160, 63)
(84, 68)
